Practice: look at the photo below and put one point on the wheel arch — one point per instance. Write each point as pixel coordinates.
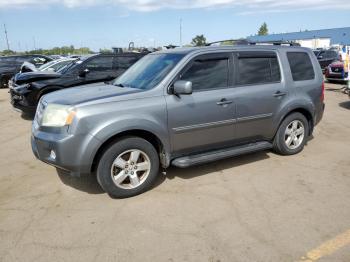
(48, 89)
(302, 110)
(145, 134)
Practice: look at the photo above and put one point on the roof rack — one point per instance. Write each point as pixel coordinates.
(248, 42)
(290, 43)
(233, 41)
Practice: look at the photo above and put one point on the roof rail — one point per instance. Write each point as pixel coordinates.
(290, 43)
(248, 42)
(233, 41)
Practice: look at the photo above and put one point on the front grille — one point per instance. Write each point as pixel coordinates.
(337, 70)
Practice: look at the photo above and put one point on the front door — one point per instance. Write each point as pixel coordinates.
(204, 119)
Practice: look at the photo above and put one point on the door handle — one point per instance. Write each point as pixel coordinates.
(279, 94)
(224, 101)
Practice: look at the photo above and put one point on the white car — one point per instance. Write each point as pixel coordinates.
(53, 66)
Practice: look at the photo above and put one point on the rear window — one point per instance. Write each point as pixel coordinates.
(257, 68)
(300, 66)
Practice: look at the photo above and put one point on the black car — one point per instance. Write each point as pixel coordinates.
(27, 88)
(10, 65)
(326, 57)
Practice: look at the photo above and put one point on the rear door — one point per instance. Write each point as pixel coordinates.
(259, 93)
(204, 119)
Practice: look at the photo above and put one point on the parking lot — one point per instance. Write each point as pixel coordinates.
(259, 207)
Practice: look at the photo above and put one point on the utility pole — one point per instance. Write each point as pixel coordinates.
(7, 40)
(34, 43)
(180, 32)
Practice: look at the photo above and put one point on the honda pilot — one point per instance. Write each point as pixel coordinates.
(181, 107)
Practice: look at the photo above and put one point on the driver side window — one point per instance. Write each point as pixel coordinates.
(207, 74)
(100, 63)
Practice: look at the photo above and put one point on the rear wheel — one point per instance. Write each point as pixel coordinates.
(128, 167)
(291, 135)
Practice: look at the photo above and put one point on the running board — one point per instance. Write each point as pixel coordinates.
(202, 158)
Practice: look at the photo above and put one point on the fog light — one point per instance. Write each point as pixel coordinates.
(53, 155)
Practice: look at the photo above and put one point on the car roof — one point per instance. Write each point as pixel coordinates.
(188, 50)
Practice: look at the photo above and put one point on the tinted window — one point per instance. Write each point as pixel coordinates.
(300, 66)
(124, 62)
(206, 74)
(100, 63)
(258, 70)
(331, 54)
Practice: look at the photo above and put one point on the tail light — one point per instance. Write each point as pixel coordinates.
(322, 93)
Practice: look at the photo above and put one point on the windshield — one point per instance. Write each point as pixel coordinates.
(67, 67)
(47, 65)
(149, 71)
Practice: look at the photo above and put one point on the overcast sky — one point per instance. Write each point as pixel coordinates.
(105, 23)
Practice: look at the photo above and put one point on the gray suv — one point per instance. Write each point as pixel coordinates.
(181, 107)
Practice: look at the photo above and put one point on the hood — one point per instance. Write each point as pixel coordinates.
(35, 76)
(337, 64)
(88, 93)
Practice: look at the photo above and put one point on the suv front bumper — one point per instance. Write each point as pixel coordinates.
(71, 153)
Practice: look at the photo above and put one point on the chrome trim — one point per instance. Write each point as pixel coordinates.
(255, 117)
(184, 129)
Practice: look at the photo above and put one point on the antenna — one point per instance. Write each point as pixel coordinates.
(7, 40)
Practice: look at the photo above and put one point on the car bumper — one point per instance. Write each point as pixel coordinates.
(20, 103)
(72, 153)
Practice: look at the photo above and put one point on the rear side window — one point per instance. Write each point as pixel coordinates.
(300, 66)
(257, 68)
(208, 73)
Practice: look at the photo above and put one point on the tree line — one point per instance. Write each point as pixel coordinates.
(198, 40)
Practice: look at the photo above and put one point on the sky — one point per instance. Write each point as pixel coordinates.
(114, 23)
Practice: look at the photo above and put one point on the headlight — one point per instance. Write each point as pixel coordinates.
(58, 115)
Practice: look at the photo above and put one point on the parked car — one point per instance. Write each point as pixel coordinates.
(10, 65)
(53, 66)
(181, 107)
(27, 88)
(326, 57)
(335, 72)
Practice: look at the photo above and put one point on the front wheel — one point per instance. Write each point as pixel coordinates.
(128, 167)
(291, 135)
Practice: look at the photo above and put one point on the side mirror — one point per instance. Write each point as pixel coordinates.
(51, 69)
(84, 72)
(182, 87)
(320, 57)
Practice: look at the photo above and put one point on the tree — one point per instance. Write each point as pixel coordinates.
(263, 30)
(199, 40)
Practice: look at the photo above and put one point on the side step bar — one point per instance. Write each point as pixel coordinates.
(202, 158)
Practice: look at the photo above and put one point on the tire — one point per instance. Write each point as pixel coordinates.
(291, 127)
(116, 168)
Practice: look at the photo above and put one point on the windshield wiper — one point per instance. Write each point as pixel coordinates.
(120, 85)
